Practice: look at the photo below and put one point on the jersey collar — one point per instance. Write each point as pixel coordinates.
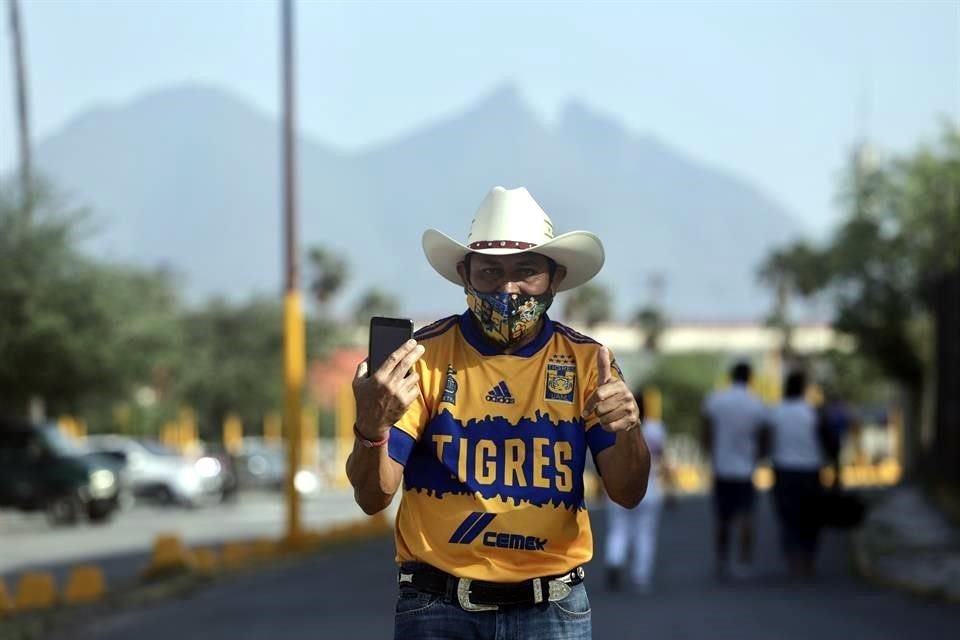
(476, 339)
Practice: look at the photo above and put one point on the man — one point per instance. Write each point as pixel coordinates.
(489, 435)
(733, 421)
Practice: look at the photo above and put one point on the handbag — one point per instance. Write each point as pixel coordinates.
(839, 509)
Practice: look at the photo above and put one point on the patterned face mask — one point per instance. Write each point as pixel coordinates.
(507, 318)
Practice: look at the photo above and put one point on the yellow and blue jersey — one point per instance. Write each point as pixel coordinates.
(494, 453)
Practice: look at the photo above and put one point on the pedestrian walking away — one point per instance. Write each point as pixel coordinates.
(797, 452)
(732, 422)
(489, 434)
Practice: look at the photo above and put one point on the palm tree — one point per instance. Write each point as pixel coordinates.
(653, 323)
(796, 270)
(329, 272)
(589, 305)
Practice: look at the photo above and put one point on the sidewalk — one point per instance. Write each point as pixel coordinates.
(908, 544)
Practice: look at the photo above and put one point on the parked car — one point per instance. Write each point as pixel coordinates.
(262, 465)
(229, 482)
(156, 472)
(42, 469)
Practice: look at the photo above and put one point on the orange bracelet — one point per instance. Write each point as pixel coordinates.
(369, 443)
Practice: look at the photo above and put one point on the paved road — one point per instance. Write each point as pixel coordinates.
(122, 546)
(350, 594)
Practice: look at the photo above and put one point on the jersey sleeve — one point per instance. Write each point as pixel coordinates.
(409, 428)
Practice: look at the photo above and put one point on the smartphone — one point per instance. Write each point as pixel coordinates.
(386, 336)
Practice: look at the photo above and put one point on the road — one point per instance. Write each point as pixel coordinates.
(122, 546)
(350, 594)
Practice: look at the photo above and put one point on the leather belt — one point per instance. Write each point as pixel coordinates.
(480, 595)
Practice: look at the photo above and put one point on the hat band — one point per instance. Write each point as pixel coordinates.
(501, 244)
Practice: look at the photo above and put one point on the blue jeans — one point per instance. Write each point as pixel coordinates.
(427, 616)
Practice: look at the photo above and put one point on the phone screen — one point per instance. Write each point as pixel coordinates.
(386, 336)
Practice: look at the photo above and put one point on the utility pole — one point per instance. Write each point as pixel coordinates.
(294, 342)
(23, 122)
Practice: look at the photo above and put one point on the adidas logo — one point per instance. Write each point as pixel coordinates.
(500, 394)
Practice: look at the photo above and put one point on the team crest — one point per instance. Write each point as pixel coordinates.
(450, 387)
(561, 379)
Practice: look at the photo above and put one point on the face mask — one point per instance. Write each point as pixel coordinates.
(507, 318)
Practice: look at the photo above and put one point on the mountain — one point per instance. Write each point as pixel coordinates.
(190, 178)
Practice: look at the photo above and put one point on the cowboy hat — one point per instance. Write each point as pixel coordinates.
(510, 221)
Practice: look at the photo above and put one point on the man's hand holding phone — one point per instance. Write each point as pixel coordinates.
(383, 396)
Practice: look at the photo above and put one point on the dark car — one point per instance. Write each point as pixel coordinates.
(43, 470)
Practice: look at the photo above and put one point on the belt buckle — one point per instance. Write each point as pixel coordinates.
(557, 590)
(463, 597)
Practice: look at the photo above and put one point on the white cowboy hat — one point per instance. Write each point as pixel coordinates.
(510, 221)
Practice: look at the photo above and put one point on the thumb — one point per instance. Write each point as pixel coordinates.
(361, 371)
(603, 366)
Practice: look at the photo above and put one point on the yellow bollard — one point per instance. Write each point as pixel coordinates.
(236, 554)
(206, 561)
(6, 605)
(36, 590)
(169, 555)
(653, 403)
(85, 584)
(763, 478)
(232, 434)
(272, 426)
(264, 548)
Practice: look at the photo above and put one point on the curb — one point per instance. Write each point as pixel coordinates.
(181, 582)
(863, 565)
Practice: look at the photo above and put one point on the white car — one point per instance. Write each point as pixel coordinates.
(157, 472)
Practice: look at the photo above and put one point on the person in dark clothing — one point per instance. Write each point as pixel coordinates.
(797, 456)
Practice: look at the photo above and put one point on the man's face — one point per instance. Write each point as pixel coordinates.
(526, 273)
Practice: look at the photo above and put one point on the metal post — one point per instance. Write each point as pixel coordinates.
(294, 351)
(23, 121)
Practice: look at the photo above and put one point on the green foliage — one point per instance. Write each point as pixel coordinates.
(113, 343)
(72, 330)
(684, 380)
(589, 305)
(329, 271)
(375, 302)
(231, 361)
(653, 322)
(901, 232)
(853, 377)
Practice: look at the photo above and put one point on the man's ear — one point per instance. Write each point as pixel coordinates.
(462, 272)
(558, 275)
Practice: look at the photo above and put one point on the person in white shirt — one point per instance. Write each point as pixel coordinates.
(732, 422)
(796, 452)
(638, 527)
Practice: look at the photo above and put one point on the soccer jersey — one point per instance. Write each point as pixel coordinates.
(494, 452)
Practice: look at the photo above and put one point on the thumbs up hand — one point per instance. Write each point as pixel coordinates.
(611, 401)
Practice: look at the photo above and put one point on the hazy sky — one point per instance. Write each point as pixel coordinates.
(775, 92)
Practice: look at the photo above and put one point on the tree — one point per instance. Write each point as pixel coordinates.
(73, 331)
(684, 380)
(885, 263)
(375, 302)
(328, 273)
(589, 305)
(797, 270)
(230, 361)
(652, 323)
